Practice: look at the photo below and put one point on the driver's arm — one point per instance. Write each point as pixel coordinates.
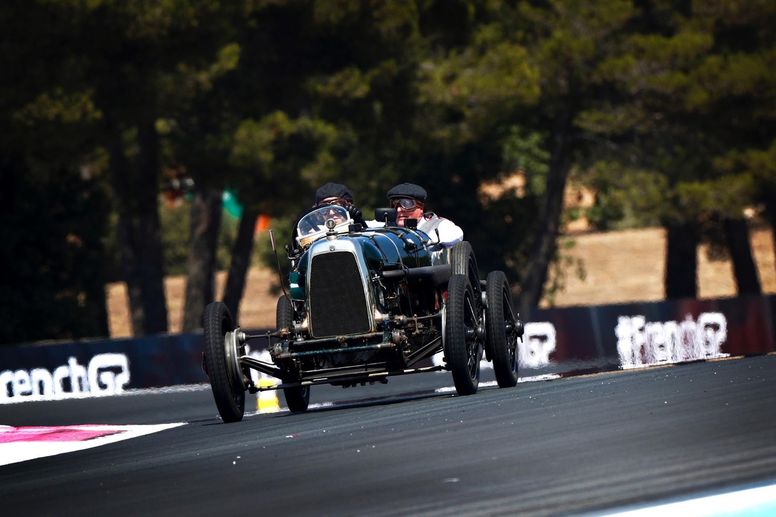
(356, 215)
(449, 233)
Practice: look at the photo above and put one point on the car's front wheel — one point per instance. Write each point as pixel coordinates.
(297, 398)
(222, 362)
(463, 344)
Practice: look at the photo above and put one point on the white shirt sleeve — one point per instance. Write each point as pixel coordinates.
(448, 232)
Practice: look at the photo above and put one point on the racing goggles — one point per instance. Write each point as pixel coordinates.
(406, 203)
(333, 201)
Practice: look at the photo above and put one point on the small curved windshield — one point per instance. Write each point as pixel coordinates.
(312, 226)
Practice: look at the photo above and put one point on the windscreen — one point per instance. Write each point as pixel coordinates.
(312, 226)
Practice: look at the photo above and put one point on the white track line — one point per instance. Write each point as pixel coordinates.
(28, 443)
(760, 501)
(488, 384)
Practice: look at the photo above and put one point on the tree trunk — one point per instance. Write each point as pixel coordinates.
(770, 213)
(544, 239)
(149, 230)
(744, 268)
(139, 230)
(201, 261)
(241, 260)
(681, 275)
(120, 176)
(96, 297)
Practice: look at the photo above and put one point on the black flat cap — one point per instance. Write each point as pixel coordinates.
(333, 190)
(408, 190)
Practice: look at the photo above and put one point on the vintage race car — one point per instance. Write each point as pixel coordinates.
(364, 304)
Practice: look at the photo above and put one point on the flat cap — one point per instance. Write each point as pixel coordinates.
(333, 190)
(408, 190)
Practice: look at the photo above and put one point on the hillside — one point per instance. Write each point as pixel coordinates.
(619, 267)
(628, 266)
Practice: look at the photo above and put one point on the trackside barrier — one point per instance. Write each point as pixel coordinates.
(99, 367)
(596, 338)
(557, 341)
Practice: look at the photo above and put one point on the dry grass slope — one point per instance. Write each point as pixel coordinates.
(628, 266)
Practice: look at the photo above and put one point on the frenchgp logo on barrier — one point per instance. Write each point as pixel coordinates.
(538, 343)
(642, 343)
(105, 374)
(534, 350)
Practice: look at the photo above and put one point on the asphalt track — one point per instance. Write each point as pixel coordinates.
(573, 445)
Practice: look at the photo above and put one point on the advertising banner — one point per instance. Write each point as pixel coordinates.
(644, 334)
(93, 368)
(560, 341)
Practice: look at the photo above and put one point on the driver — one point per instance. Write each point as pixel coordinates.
(329, 194)
(338, 194)
(409, 200)
(331, 212)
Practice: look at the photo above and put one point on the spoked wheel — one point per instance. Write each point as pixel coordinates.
(297, 398)
(502, 325)
(463, 262)
(222, 352)
(463, 328)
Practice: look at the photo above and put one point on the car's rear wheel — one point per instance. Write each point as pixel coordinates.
(463, 262)
(222, 362)
(297, 398)
(463, 346)
(502, 329)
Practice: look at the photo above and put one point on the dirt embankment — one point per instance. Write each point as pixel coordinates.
(628, 266)
(624, 266)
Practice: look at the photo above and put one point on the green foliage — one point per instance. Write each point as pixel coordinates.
(54, 272)
(349, 83)
(175, 237)
(668, 108)
(59, 106)
(501, 234)
(525, 150)
(481, 78)
(686, 92)
(760, 165)
(175, 222)
(262, 250)
(721, 196)
(563, 264)
(276, 147)
(626, 196)
(226, 239)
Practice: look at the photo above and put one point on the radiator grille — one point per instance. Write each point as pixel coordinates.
(337, 304)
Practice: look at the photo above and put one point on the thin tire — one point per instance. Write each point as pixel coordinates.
(463, 262)
(463, 349)
(297, 398)
(221, 360)
(502, 329)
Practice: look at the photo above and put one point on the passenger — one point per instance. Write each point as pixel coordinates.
(409, 200)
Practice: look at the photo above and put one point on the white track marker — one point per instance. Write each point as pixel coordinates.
(750, 502)
(488, 384)
(28, 443)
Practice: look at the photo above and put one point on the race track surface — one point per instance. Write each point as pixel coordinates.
(575, 445)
